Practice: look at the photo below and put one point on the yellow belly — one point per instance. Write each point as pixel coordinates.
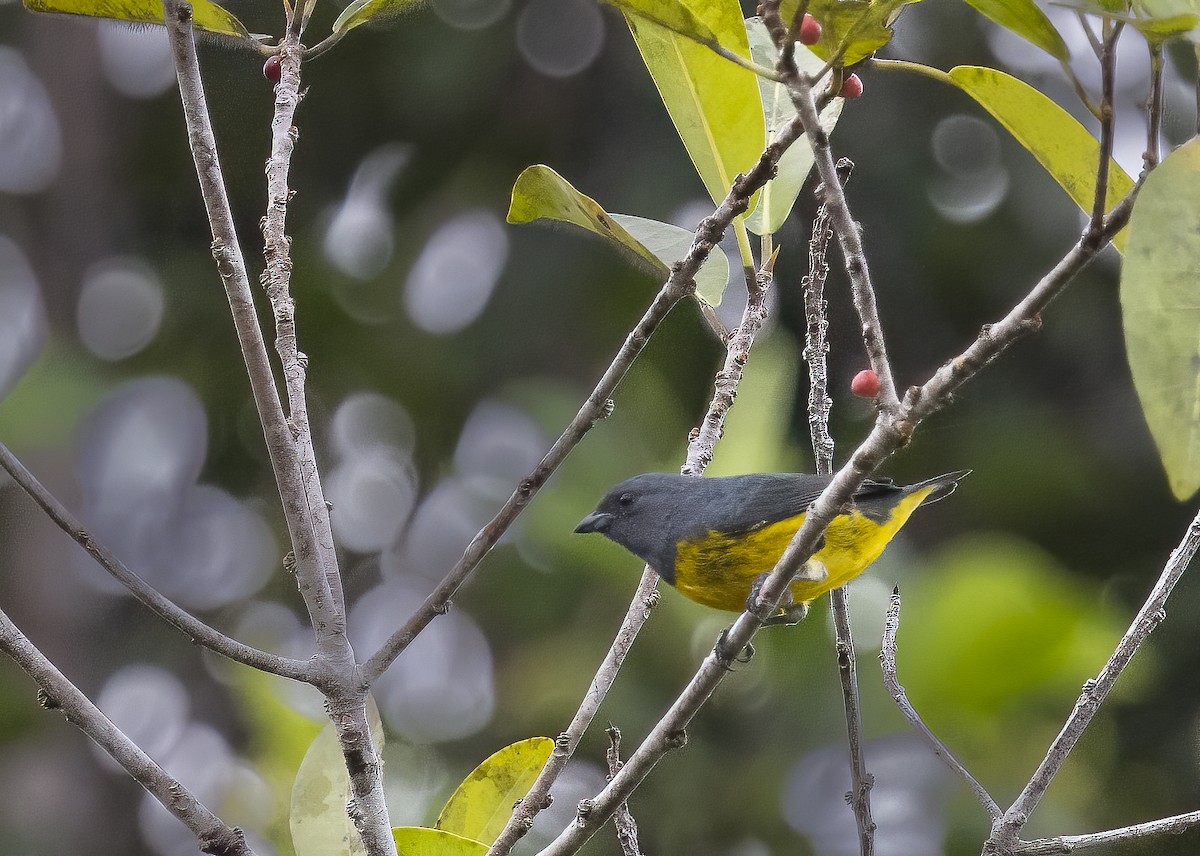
(719, 570)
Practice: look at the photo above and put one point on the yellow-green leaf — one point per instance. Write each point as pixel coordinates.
(1163, 19)
(422, 841)
(855, 28)
(1024, 18)
(540, 193)
(1161, 312)
(1066, 149)
(714, 103)
(206, 15)
(480, 807)
(361, 11)
(670, 244)
(672, 14)
(779, 194)
(319, 823)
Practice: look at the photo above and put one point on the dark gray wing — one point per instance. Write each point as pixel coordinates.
(736, 504)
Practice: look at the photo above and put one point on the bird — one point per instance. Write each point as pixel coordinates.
(715, 539)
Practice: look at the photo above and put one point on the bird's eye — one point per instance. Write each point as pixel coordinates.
(626, 500)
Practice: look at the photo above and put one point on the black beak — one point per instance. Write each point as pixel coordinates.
(597, 521)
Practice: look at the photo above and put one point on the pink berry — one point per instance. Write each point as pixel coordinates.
(272, 70)
(865, 384)
(810, 30)
(852, 87)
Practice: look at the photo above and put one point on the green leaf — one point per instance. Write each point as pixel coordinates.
(206, 15)
(540, 193)
(670, 243)
(319, 823)
(671, 14)
(1066, 149)
(480, 807)
(361, 11)
(1024, 18)
(714, 104)
(1163, 19)
(857, 28)
(779, 195)
(1161, 312)
(422, 841)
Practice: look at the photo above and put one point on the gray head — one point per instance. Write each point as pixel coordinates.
(641, 514)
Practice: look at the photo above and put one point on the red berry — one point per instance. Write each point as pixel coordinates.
(852, 87)
(272, 70)
(865, 384)
(810, 30)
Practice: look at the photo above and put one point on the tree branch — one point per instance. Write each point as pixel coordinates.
(1070, 843)
(57, 692)
(333, 669)
(887, 660)
(164, 607)
(816, 348)
(1153, 611)
(231, 265)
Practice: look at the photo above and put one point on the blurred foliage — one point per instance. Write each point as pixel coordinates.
(1014, 589)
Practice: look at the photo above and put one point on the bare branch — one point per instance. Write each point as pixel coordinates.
(164, 607)
(816, 347)
(848, 231)
(1153, 611)
(333, 669)
(538, 797)
(1154, 109)
(231, 265)
(57, 692)
(1063, 844)
(887, 660)
(627, 831)
(1108, 75)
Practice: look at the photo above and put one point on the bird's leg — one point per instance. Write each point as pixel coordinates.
(790, 612)
(727, 659)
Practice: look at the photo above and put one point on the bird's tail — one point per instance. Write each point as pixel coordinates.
(942, 486)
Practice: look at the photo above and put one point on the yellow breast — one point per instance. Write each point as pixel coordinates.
(719, 569)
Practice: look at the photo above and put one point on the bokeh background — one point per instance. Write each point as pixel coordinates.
(447, 351)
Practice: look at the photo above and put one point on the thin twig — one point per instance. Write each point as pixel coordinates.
(678, 285)
(276, 280)
(705, 437)
(345, 692)
(1095, 691)
(537, 798)
(57, 692)
(1064, 844)
(887, 660)
(847, 230)
(816, 349)
(156, 601)
(699, 454)
(1154, 108)
(1108, 75)
(816, 341)
(231, 265)
(627, 831)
